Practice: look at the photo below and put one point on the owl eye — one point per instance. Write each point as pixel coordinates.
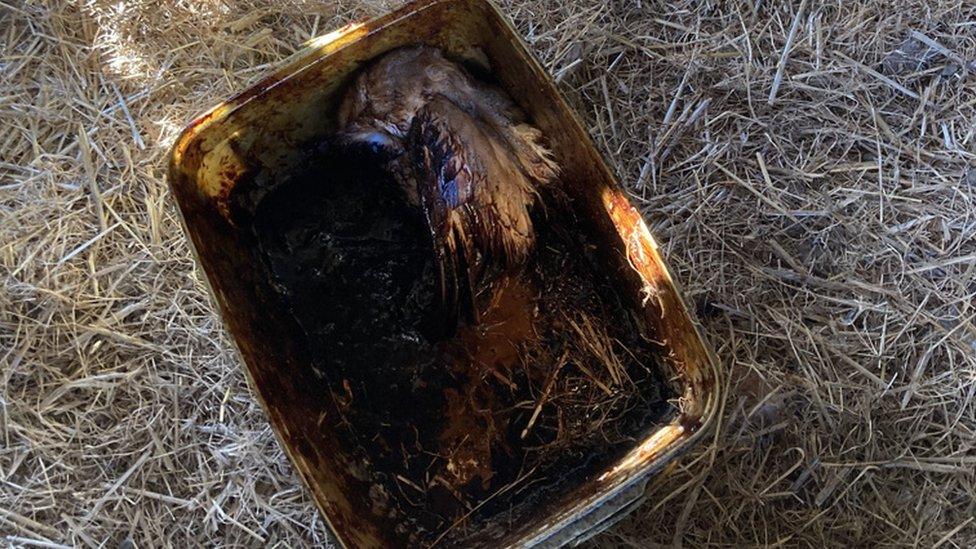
(377, 141)
(372, 142)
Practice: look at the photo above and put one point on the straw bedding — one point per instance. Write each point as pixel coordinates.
(809, 167)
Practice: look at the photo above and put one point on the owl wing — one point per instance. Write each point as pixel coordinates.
(475, 199)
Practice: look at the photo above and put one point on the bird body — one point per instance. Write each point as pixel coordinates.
(462, 152)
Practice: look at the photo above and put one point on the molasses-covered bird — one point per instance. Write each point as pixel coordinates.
(462, 151)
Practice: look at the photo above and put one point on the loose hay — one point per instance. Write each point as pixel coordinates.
(825, 231)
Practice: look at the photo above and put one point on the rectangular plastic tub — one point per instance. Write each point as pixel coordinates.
(258, 130)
